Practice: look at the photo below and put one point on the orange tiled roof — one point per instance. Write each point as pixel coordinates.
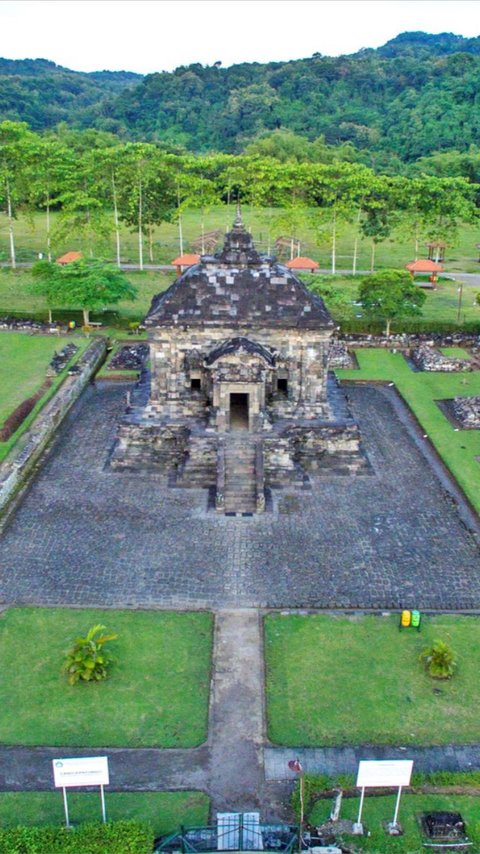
(302, 263)
(424, 265)
(186, 260)
(69, 257)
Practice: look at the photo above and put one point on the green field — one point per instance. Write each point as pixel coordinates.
(441, 305)
(266, 226)
(164, 811)
(156, 696)
(458, 450)
(16, 295)
(24, 360)
(357, 680)
(377, 810)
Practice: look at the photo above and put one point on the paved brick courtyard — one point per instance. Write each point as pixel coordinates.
(85, 535)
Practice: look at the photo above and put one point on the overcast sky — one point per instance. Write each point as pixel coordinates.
(159, 35)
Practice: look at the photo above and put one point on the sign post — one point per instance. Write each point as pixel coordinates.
(383, 773)
(83, 771)
(65, 807)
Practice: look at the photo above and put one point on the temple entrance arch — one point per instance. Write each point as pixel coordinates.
(239, 411)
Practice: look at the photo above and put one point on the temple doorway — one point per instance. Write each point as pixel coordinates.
(239, 411)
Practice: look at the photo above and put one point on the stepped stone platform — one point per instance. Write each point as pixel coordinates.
(88, 536)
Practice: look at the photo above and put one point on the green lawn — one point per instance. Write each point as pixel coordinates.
(379, 809)
(397, 250)
(356, 680)
(164, 811)
(456, 352)
(441, 305)
(156, 696)
(459, 449)
(16, 295)
(24, 360)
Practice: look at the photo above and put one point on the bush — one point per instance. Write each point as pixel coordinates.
(121, 837)
(363, 325)
(87, 661)
(439, 660)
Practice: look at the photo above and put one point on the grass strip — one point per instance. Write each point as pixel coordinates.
(459, 450)
(334, 680)
(156, 695)
(164, 811)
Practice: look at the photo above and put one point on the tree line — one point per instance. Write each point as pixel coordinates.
(96, 184)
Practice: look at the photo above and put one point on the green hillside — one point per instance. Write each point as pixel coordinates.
(415, 95)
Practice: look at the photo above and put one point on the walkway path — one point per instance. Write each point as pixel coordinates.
(235, 767)
(237, 726)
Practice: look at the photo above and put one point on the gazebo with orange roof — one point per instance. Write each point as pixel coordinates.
(425, 265)
(185, 261)
(69, 257)
(302, 263)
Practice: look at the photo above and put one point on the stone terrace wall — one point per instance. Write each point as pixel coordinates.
(408, 342)
(15, 470)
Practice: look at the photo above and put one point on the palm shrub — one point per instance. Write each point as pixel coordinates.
(87, 660)
(439, 660)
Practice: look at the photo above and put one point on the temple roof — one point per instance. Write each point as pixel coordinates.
(238, 287)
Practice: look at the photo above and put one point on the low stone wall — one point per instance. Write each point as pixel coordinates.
(430, 359)
(15, 470)
(467, 411)
(409, 342)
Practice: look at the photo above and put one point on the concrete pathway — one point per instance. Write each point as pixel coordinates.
(344, 760)
(237, 725)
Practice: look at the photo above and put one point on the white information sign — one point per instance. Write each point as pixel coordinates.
(81, 771)
(384, 773)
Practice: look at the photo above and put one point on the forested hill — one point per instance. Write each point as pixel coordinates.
(43, 94)
(417, 94)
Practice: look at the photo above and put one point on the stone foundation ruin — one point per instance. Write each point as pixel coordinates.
(428, 358)
(466, 410)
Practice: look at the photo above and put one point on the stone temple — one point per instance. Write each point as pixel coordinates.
(238, 398)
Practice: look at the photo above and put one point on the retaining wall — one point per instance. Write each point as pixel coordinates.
(15, 470)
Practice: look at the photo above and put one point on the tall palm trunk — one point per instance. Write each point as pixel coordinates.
(355, 244)
(150, 243)
(140, 225)
(115, 218)
(11, 237)
(334, 242)
(49, 236)
(180, 224)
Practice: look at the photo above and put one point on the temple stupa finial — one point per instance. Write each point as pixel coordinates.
(238, 218)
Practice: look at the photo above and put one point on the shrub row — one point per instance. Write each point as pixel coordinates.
(19, 414)
(409, 327)
(121, 837)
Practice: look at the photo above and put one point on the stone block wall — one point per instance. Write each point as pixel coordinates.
(177, 357)
(16, 469)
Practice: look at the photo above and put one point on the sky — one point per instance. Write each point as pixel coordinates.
(159, 35)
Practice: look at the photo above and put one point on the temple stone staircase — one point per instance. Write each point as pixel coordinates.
(239, 482)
